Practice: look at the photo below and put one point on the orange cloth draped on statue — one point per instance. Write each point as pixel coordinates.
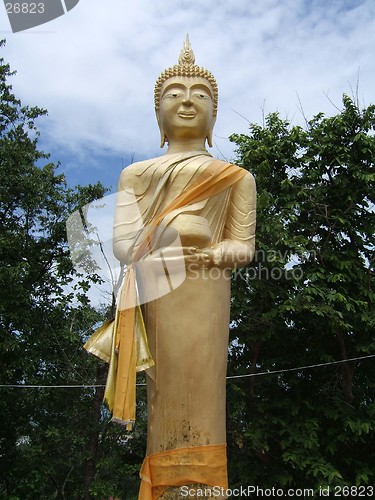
(120, 391)
(183, 466)
(214, 179)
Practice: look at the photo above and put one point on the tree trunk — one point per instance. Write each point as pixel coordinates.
(253, 369)
(347, 370)
(93, 442)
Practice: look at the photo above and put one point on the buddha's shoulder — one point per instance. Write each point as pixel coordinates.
(139, 167)
(139, 170)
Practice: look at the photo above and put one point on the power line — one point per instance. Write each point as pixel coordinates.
(301, 367)
(272, 372)
(29, 386)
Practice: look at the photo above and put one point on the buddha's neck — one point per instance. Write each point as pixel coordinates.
(186, 145)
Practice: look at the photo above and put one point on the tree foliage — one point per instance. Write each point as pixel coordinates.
(47, 436)
(308, 298)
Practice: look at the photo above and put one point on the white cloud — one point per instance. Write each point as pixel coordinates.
(94, 68)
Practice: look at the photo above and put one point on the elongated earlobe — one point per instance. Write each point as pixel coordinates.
(163, 139)
(209, 138)
(210, 132)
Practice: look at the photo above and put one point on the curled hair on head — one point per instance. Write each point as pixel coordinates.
(186, 67)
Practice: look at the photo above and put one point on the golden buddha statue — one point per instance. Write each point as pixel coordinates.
(181, 336)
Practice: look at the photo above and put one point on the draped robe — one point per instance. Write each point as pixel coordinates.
(188, 328)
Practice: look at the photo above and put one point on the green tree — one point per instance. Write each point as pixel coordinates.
(48, 437)
(307, 299)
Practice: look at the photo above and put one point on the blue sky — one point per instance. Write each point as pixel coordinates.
(94, 70)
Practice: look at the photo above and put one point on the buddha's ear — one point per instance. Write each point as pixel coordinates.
(209, 135)
(163, 137)
(209, 138)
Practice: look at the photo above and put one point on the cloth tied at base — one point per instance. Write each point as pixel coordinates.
(183, 466)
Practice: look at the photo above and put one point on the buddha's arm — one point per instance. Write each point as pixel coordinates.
(238, 245)
(128, 223)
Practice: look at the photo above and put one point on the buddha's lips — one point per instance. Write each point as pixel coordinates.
(187, 114)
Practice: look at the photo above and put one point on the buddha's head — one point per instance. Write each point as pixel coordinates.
(186, 99)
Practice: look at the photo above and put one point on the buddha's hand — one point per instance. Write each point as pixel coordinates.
(225, 255)
(182, 255)
(228, 254)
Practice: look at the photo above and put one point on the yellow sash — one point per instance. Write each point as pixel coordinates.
(128, 340)
(183, 466)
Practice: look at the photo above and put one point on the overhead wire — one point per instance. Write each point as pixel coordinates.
(230, 377)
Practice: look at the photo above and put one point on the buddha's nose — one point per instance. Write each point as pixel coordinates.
(187, 99)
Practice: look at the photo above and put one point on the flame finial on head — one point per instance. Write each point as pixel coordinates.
(187, 57)
(186, 67)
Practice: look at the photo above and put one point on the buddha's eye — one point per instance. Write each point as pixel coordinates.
(172, 95)
(201, 96)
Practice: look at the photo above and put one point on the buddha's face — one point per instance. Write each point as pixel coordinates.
(186, 108)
